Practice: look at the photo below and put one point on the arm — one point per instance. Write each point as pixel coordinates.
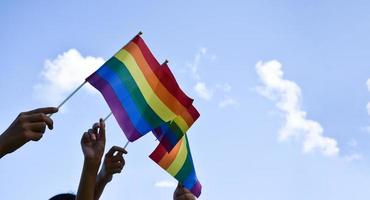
(27, 126)
(113, 163)
(93, 144)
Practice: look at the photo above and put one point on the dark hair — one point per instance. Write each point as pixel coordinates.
(66, 196)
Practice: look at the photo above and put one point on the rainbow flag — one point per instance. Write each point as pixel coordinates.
(179, 163)
(170, 132)
(141, 94)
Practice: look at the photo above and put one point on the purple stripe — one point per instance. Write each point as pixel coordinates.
(115, 105)
(196, 190)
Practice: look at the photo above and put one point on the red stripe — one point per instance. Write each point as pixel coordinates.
(158, 153)
(168, 80)
(174, 87)
(193, 112)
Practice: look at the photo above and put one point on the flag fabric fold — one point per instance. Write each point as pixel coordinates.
(171, 132)
(179, 164)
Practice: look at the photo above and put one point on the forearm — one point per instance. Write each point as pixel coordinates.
(87, 181)
(99, 187)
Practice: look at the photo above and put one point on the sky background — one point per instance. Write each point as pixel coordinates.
(280, 85)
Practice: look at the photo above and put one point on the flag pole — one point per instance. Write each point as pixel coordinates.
(105, 119)
(79, 87)
(66, 99)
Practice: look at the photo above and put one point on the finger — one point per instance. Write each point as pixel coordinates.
(37, 127)
(85, 138)
(118, 159)
(95, 127)
(116, 171)
(114, 149)
(117, 165)
(45, 110)
(102, 129)
(34, 136)
(92, 136)
(40, 117)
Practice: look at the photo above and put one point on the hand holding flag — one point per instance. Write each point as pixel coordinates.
(27, 126)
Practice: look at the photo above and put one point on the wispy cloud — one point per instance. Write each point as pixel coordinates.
(194, 65)
(165, 184)
(63, 74)
(287, 95)
(200, 87)
(203, 91)
(226, 87)
(227, 101)
(353, 157)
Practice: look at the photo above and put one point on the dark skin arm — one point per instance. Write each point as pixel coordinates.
(182, 193)
(28, 126)
(113, 164)
(93, 144)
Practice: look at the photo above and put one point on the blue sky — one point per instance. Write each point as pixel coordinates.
(321, 47)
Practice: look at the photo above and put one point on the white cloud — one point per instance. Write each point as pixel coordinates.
(353, 157)
(226, 87)
(165, 184)
(366, 129)
(202, 91)
(194, 66)
(227, 101)
(200, 86)
(63, 74)
(287, 95)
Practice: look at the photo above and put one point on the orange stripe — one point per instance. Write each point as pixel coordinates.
(168, 99)
(168, 158)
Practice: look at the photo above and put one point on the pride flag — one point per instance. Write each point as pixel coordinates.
(141, 94)
(179, 163)
(170, 133)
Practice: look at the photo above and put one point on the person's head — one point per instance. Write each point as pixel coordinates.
(182, 193)
(66, 196)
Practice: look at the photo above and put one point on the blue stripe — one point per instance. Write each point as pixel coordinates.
(124, 97)
(169, 134)
(190, 181)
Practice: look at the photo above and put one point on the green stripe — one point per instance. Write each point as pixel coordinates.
(127, 80)
(176, 130)
(186, 168)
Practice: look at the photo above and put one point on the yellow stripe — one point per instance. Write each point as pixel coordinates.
(154, 102)
(179, 161)
(181, 123)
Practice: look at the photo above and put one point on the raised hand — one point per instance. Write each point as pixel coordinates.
(93, 143)
(27, 126)
(113, 164)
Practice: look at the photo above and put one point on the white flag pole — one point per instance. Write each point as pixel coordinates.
(66, 99)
